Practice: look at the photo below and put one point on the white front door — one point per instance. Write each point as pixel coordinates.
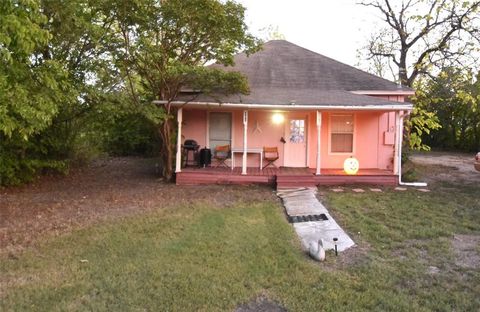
(295, 150)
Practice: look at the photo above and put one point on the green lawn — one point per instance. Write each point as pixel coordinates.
(199, 257)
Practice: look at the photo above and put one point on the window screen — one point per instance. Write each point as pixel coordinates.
(220, 129)
(341, 133)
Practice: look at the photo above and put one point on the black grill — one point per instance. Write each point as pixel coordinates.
(191, 145)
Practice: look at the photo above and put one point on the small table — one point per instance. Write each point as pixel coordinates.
(250, 150)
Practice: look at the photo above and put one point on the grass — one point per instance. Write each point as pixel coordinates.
(204, 258)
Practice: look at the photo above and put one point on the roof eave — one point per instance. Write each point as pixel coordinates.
(400, 107)
(384, 92)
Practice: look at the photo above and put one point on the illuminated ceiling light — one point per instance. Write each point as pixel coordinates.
(277, 118)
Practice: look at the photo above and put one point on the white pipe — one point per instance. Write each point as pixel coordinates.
(400, 142)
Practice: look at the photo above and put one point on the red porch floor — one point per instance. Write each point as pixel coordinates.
(283, 177)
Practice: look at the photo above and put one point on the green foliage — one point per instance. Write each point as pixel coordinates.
(163, 46)
(31, 90)
(22, 160)
(28, 90)
(420, 123)
(454, 97)
(130, 134)
(78, 77)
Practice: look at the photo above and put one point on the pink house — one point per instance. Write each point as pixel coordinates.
(318, 112)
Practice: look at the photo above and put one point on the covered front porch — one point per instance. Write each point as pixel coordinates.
(312, 144)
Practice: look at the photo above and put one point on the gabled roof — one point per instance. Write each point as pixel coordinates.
(283, 73)
(282, 64)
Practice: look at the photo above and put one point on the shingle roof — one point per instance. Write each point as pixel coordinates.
(283, 72)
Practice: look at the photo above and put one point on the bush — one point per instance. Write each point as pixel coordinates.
(21, 162)
(130, 134)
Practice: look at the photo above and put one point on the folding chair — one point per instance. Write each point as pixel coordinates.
(270, 154)
(221, 154)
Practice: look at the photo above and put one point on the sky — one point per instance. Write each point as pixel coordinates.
(335, 28)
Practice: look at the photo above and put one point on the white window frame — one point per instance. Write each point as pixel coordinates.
(330, 133)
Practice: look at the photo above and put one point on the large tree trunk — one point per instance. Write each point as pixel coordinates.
(167, 150)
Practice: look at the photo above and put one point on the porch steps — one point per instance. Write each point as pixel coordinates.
(295, 180)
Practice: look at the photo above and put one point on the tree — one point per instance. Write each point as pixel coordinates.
(422, 35)
(454, 97)
(162, 46)
(420, 38)
(79, 42)
(30, 90)
(57, 84)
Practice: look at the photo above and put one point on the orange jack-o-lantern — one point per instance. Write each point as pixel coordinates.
(351, 165)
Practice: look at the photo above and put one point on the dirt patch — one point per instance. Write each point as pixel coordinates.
(108, 188)
(352, 257)
(443, 167)
(261, 304)
(467, 251)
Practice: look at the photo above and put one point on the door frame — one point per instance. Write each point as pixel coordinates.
(292, 116)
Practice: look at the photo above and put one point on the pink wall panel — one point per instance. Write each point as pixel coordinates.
(385, 151)
(366, 139)
(194, 125)
(368, 142)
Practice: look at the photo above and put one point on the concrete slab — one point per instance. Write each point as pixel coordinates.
(358, 190)
(298, 202)
(399, 188)
(336, 190)
(377, 190)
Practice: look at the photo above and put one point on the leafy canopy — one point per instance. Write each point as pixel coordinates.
(161, 47)
(29, 89)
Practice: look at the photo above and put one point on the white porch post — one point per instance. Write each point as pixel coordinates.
(398, 130)
(244, 159)
(178, 160)
(319, 139)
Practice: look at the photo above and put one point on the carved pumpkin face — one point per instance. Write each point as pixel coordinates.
(351, 165)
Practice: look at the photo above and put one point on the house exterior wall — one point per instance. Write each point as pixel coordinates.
(194, 126)
(370, 147)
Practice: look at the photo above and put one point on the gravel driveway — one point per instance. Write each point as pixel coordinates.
(448, 166)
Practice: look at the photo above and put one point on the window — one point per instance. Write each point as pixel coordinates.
(220, 132)
(341, 132)
(297, 131)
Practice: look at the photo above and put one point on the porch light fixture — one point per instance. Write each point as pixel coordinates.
(277, 118)
(351, 165)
